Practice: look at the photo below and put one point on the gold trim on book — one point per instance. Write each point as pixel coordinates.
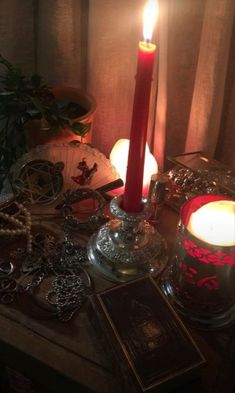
(185, 370)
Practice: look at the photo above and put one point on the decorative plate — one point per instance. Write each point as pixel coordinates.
(83, 166)
(42, 180)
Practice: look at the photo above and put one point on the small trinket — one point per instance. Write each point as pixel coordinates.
(157, 192)
(94, 220)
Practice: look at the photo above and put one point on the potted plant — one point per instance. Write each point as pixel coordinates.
(32, 113)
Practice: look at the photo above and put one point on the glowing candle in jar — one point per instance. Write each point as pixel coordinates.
(138, 135)
(118, 158)
(214, 223)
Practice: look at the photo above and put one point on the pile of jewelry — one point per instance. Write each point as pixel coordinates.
(184, 184)
(54, 278)
(49, 273)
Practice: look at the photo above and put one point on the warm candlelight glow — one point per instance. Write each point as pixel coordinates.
(150, 17)
(214, 223)
(119, 156)
(132, 197)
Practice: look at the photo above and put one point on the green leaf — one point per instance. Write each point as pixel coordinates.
(7, 93)
(80, 128)
(33, 112)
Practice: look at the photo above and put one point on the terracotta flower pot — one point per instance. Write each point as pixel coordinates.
(36, 135)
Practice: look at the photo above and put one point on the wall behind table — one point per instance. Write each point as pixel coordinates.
(17, 33)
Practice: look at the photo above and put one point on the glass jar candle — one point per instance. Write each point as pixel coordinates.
(200, 280)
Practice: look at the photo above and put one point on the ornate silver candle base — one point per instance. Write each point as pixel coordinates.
(127, 247)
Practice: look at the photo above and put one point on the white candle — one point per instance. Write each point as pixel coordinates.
(118, 158)
(214, 223)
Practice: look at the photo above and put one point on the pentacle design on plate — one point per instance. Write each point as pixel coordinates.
(42, 180)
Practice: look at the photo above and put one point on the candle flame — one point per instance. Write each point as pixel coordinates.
(150, 17)
(214, 223)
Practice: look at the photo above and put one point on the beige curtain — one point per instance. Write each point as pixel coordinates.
(114, 32)
(209, 86)
(195, 40)
(61, 41)
(17, 33)
(93, 44)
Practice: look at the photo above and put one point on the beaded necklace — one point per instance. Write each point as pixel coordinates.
(22, 224)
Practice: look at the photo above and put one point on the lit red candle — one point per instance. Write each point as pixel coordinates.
(138, 135)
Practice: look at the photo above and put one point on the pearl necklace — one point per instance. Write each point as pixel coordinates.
(23, 227)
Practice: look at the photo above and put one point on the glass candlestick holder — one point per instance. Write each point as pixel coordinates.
(199, 281)
(127, 246)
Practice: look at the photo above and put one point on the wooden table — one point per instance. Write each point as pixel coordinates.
(61, 357)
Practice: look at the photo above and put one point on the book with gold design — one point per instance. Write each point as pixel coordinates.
(151, 348)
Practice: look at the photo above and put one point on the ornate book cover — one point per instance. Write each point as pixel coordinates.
(151, 348)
